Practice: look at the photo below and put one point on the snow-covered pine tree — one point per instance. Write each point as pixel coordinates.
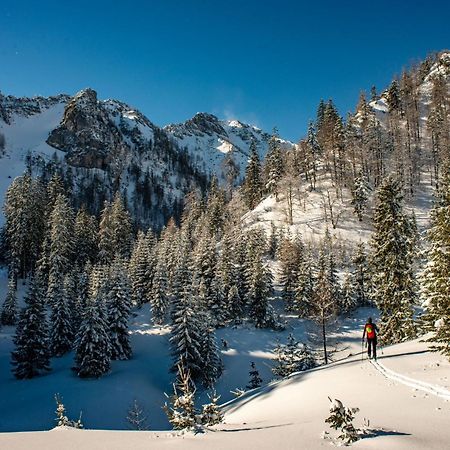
(360, 196)
(86, 237)
(392, 255)
(61, 325)
(115, 231)
(292, 357)
(211, 413)
(9, 308)
(212, 364)
(305, 285)
(252, 186)
(325, 304)
(273, 167)
(235, 304)
(139, 271)
(61, 232)
(215, 209)
(30, 356)
(341, 418)
(159, 298)
(181, 412)
(61, 418)
(255, 379)
(81, 285)
(347, 298)
(25, 222)
(186, 335)
(435, 289)
(259, 293)
(118, 307)
(360, 277)
(291, 257)
(93, 349)
(136, 417)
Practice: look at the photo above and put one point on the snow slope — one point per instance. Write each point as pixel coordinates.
(290, 414)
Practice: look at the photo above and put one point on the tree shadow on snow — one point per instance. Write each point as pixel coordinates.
(370, 433)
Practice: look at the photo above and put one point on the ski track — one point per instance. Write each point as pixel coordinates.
(436, 390)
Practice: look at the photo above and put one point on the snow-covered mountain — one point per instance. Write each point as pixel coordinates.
(213, 144)
(106, 144)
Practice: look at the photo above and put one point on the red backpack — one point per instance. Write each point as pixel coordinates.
(370, 330)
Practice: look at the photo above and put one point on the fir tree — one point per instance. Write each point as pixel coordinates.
(93, 349)
(9, 309)
(341, 418)
(136, 417)
(347, 298)
(360, 277)
(119, 305)
(186, 335)
(292, 357)
(159, 300)
(391, 261)
(252, 187)
(86, 244)
(360, 196)
(30, 356)
(61, 331)
(273, 165)
(139, 271)
(182, 413)
(211, 413)
(212, 364)
(435, 289)
(255, 379)
(325, 303)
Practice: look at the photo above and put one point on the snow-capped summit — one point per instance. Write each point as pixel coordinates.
(215, 144)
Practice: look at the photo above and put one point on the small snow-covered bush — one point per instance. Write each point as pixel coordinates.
(61, 419)
(341, 419)
(136, 417)
(211, 413)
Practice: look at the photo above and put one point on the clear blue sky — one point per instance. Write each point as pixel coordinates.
(268, 62)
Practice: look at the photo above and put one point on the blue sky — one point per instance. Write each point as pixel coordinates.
(265, 62)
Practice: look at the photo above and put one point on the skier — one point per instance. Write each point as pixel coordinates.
(371, 330)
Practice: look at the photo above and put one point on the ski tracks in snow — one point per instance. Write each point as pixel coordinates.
(433, 389)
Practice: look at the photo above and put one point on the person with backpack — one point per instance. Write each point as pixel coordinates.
(371, 330)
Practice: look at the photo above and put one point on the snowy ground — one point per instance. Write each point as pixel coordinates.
(290, 414)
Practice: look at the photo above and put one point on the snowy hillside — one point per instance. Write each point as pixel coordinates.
(404, 402)
(214, 144)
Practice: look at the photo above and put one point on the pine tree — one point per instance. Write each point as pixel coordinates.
(30, 356)
(211, 413)
(360, 277)
(391, 262)
(347, 298)
(291, 261)
(118, 306)
(9, 309)
(186, 335)
(86, 241)
(360, 196)
(61, 331)
(93, 349)
(341, 418)
(182, 413)
(252, 187)
(61, 247)
(159, 299)
(305, 285)
(292, 357)
(273, 165)
(260, 290)
(136, 417)
(325, 303)
(435, 289)
(212, 364)
(139, 271)
(255, 379)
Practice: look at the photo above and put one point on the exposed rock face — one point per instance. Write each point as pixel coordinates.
(88, 135)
